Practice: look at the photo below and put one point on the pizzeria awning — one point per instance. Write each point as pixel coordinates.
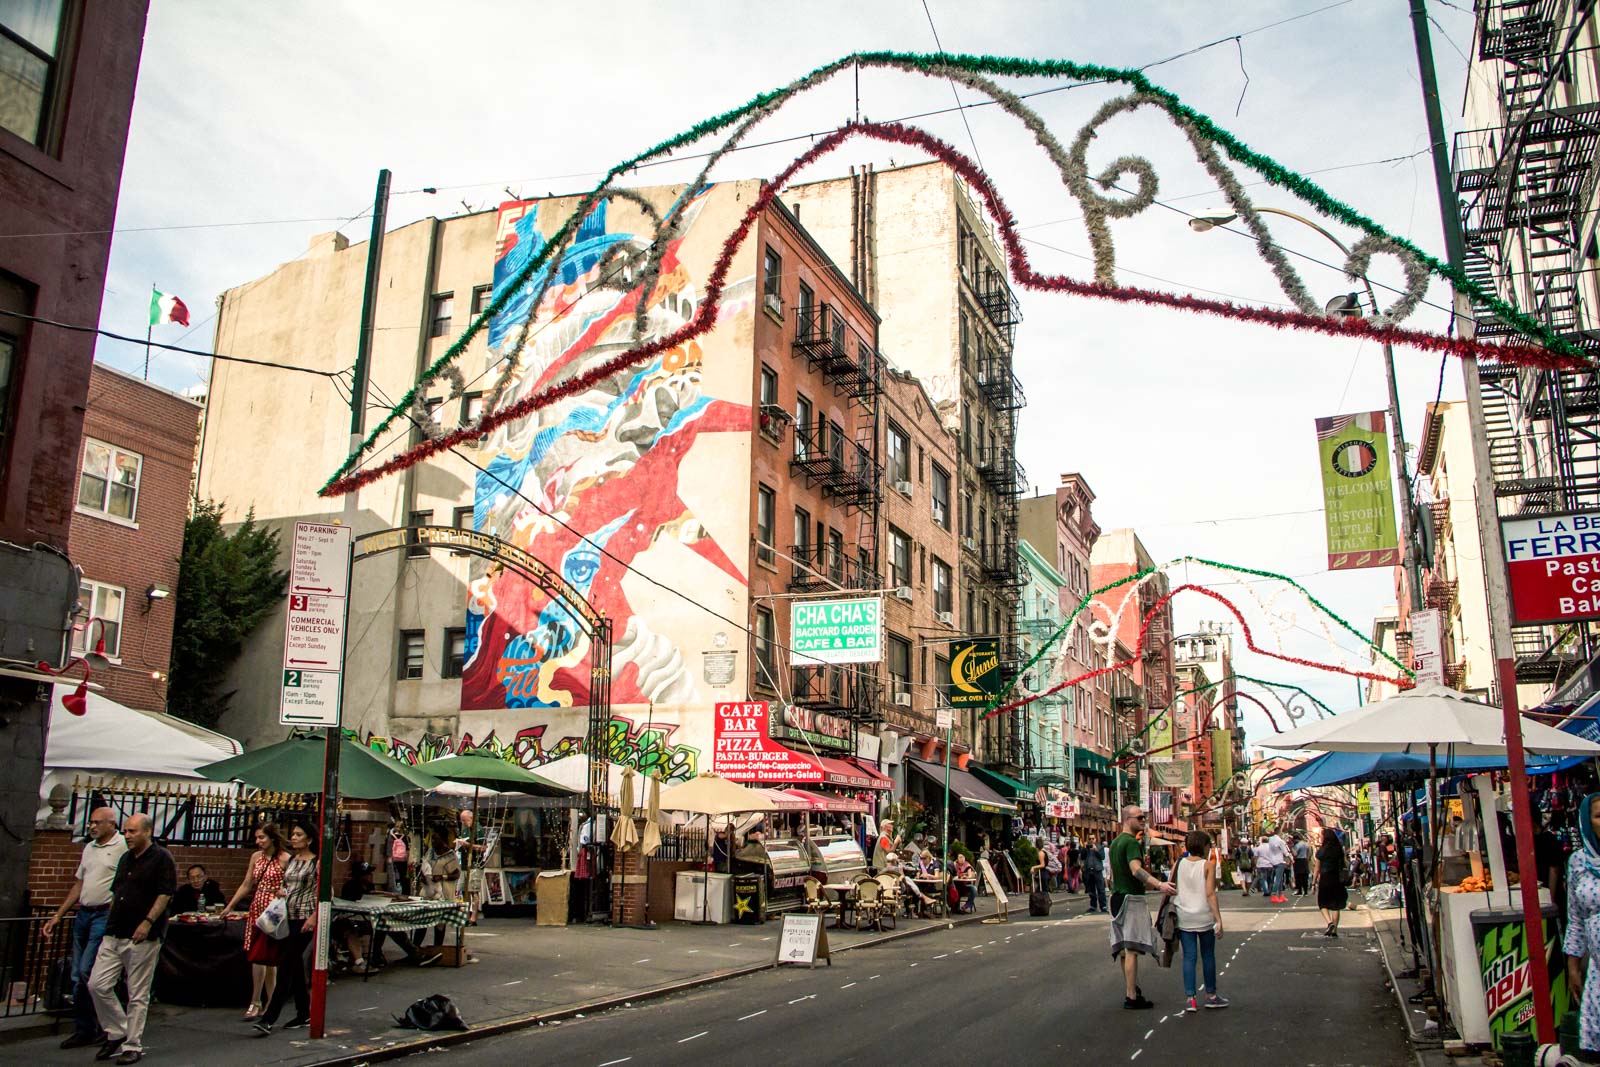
(821, 800)
(837, 773)
(965, 787)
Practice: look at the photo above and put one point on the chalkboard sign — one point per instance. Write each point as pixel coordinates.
(1001, 901)
(803, 940)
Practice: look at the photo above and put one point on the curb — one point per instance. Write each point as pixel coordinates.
(524, 1022)
(1419, 1043)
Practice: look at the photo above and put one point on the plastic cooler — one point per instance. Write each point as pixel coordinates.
(1507, 969)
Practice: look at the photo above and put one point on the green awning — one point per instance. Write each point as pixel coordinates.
(1007, 785)
(1094, 763)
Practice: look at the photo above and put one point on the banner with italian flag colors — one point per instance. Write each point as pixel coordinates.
(164, 307)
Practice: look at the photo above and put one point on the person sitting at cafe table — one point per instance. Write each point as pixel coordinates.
(966, 882)
(198, 893)
(357, 932)
(894, 865)
(926, 864)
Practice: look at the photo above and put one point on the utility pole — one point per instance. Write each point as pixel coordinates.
(333, 734)
(1492, 553)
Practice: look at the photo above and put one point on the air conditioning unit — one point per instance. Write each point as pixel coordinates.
(968, 542)
(902, 700)
(774, 303)
(903, 592)
(947, 617)
(903, 488)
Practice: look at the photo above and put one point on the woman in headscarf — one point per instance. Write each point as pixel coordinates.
(1582, 942)
(1331, 893)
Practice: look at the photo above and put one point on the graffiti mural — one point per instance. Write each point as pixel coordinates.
(652, 748)
(596, 483)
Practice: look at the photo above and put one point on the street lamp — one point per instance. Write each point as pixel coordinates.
(1350, 304)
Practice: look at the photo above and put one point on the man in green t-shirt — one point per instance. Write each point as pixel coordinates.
(1132, 932)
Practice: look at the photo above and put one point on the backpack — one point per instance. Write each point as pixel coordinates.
(399, 852)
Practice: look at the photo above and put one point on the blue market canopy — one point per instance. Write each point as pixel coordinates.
(1399, 768)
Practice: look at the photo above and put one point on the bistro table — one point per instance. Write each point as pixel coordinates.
(934, 886)
(202, 963)
(390, 915)
(846, 892)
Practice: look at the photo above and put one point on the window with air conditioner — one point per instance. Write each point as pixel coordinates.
(899, 656)
(772, 281)
(899, 557)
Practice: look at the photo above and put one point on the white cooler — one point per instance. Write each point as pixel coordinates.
(703, 897)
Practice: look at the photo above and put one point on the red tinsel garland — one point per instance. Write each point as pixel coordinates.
(1138, 653)
(1021, 268)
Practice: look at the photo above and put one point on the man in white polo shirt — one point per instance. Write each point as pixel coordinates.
(92, 894)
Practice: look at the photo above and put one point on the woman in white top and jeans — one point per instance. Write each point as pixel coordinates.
(1199, 918)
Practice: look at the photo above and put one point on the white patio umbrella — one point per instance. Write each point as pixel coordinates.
(1429, 718)
(709, 795)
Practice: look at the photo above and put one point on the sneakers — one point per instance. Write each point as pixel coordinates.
(297, 1023)
(1214, 1000)
(1137, 1003)
(1191, 1005)
(261, 1028)
(109, 1048)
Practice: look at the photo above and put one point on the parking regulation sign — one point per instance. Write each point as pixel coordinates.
(313, 638)
(1553, 567)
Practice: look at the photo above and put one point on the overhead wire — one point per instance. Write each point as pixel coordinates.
(175, 348)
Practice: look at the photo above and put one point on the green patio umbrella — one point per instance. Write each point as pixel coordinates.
(295, 766)
(491, 772)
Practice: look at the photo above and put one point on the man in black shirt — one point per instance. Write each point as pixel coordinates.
(143, 886)
(196, 894)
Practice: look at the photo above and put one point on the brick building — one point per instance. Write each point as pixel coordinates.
(67, 74)
(134, 472)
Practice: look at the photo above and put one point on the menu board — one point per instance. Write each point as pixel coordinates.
(803, 940)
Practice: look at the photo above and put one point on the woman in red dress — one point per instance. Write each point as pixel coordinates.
(264, 882)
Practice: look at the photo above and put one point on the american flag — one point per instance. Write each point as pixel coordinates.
(1160, 807)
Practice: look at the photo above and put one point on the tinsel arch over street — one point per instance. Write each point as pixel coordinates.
(1210, 143)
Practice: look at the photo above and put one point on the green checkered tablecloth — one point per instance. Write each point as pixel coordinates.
(405, 914)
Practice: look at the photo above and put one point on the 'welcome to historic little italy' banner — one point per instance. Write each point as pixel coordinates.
(1356, 493)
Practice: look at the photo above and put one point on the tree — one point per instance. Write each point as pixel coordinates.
(227, 583)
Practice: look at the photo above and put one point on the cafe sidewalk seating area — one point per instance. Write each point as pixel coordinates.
(515, 969)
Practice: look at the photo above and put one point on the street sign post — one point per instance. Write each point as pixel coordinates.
(313, 636)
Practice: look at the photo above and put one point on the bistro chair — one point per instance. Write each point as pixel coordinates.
(816, 903)
(869, 904)
(891, 895)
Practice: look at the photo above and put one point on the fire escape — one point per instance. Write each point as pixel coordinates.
(1523, 189)
(843, 461)
(1000, 567)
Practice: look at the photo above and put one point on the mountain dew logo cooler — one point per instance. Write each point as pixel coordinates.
(1507, 983)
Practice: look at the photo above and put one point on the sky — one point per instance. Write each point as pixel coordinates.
(257, 126)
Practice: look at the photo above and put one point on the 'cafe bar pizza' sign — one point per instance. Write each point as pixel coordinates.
(742, 751)
(1553, 567)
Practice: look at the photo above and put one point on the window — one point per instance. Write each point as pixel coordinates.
(836, 557)
(943, 596)
(410, 654)
(30, 63)
(461, 519)
(808, 305)
(941, 496)
(900, 664)
(769, 386)
(941, 676)
(482, 295)
(899, 557)
(104, 605)
(966, 514)
(440, 314)
(109, 484)
(836, 333)
(802, 535)
(455, 652)
(418, 518)
(836, 442)
(471, 408)
(802, 423)
(8, 356)
(766, 521)
(772, 281)
(766, 648)
(899, 458)
(983, 526)
(972, 613)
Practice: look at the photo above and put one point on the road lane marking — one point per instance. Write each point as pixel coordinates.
(940, 956)
(808, 996)
(610, 1063)
(519, 981)
(752, 1015)
(1135, 1054)
(645, 960)
(691, 1037)
(1148, 1032)
(847, 985)
(875, 976)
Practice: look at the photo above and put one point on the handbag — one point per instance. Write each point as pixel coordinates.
(274, 919)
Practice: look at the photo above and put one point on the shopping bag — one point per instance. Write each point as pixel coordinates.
(274, 919)
(431, 1013)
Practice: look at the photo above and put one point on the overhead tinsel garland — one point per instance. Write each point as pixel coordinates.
(1194, 123)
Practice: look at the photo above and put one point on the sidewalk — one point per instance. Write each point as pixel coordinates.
(524, 973)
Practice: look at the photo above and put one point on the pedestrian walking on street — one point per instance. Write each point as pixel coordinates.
(1302, 865)
(92, 894)
(1199, 919)
(1094, 878)
(1582, 941)
(142, 888)
(300, 897)
(1246, 863)
(1278, 853)
(1332, 896)
(1132, 931)
(262, 885)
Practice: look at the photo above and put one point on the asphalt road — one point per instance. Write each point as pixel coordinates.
(1032, 991)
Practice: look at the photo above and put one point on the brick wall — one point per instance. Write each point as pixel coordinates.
(162, 428)
(54, 865)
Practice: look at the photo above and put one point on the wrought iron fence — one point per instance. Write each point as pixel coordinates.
(683, 844)
(35, 970)
(200, 816)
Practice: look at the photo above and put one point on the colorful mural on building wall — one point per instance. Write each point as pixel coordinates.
(591, 484)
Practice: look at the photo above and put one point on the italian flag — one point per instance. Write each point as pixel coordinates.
(164, 307)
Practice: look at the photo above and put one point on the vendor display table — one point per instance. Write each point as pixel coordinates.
(390, 915)
(202, 964)
(1463, 974)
